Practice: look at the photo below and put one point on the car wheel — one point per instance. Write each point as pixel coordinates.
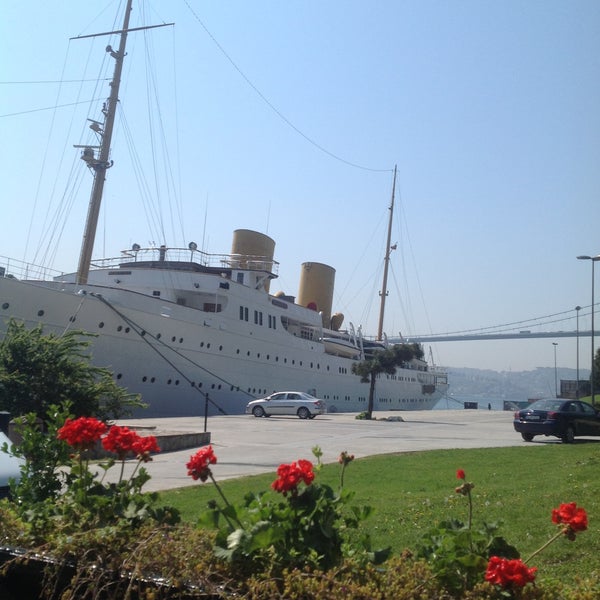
(569, 436)
(258, 411)
(528, 437)
(303, 412)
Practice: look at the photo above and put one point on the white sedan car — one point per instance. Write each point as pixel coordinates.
(300, 404)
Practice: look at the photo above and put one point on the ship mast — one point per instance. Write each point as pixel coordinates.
(101, 163)
(386, 265)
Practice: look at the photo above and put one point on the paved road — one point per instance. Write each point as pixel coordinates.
(245, 445)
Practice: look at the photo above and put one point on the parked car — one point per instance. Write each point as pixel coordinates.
(10, 467)
(557, 417)
(301, 404)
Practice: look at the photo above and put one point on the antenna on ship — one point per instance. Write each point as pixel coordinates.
(388, 251)
(100, 163)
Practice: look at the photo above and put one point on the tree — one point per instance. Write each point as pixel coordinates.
(596, 374)
(384, 361)
(37, 371)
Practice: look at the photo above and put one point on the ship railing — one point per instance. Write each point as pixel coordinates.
(189, 255)
(19, 269)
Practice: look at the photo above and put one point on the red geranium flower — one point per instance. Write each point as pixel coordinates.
(121, 440)
(143, 446)
(460, 474)
(509, 572)
(289, 476)
(82, 433)
(198, 465)
(574, 518)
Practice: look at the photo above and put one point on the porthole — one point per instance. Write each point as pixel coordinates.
(144, 378)
(237, 351)
(5, 306)
(168, 381)
(120, 328)
(181, 340)
(153, 380)
(72, 319)
(142, 333)
(173, 338)
(40, 313)
(177, 382)
(119, 375)
(100, 325)
(220, 348)
(158, 336)
(201, 344)
(127, 330)
(207, 345)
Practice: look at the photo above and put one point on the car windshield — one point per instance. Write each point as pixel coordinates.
(546, 405)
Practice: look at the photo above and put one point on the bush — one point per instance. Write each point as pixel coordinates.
(38, 371)
(292, 541)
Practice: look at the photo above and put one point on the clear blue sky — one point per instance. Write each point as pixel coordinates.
(489, 109)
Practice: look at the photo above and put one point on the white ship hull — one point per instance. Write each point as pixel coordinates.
(174, 354)
(196, 333)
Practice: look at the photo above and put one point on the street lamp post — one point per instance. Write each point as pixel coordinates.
(577, 308)
(555, 344)
(593, 259)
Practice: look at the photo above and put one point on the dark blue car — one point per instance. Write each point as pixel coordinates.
(558, 417)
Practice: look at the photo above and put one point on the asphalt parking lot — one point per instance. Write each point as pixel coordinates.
(245, 445)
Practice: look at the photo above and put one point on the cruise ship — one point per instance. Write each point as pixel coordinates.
(195, 333)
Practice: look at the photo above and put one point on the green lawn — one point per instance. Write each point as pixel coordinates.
(518, 486)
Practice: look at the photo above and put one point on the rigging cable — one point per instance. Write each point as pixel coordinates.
(26, 112)
(274, 108)
(143, 334)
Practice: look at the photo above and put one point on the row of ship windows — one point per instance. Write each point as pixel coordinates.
(402, 400)
(258, 317)
(120, 328)
(380, 400)
(263, 392)
(334, 398)
(400, 378)
(200, 385)
(341, 370)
